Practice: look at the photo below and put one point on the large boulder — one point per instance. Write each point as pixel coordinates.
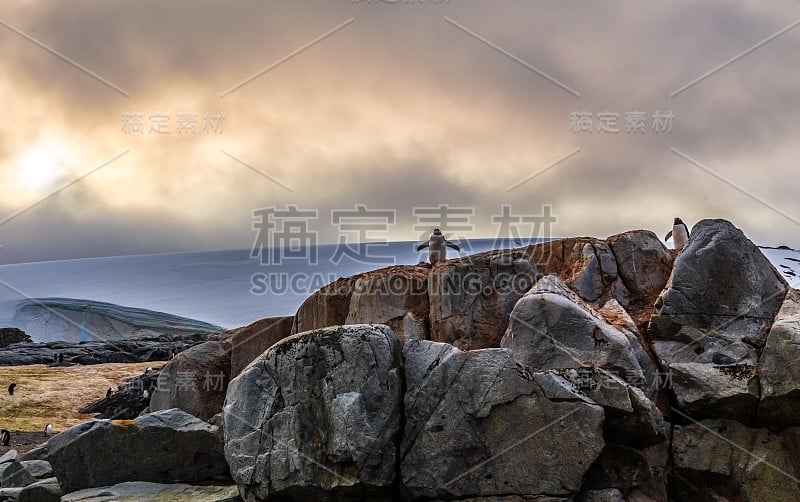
(778, 370)
(552, 328)
(251, 341)
(195, 380)
(725, 460)
(478, 424)
(317, 415)
(471, 297)
(46, 490)
(163, 447)
(396, 296)
(720, 300)
(643, 262)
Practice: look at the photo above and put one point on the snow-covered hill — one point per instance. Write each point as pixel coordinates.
(224, 288)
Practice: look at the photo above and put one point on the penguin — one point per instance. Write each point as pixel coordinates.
(48, 430)
(146, 394)
(679, 234)
(60, 357)
(108, 393)
(437, 247)
(148, 371)
(11, 389)
(5, 437)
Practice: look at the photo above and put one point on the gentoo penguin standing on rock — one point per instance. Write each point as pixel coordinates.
(679, 234)
(437, 247)
(48, 430)
(5, 437)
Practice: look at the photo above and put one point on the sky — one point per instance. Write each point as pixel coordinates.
(152, 127)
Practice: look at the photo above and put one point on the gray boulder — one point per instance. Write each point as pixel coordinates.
(15, 474)
(552, 328)
(195, 380)
(316, 416)
(251, 341)
(725, 460)
(720, 300)
(778, 367)
(154, 447)
(471, 297)
(46, 490)
(478, 424)
(643, 262)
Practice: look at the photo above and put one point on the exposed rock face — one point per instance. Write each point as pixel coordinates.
(128, 402)
(122, 351)
(643, 262)
(551, 328)
(195, 380)
(720, 300)
(712, 321)
(724, 460)
(465, 411)
(12, 335)
(251, 341)
(778, 367)
(163, 447)
(471, 297)
(396, 296)
(140, 491)
(315, 417)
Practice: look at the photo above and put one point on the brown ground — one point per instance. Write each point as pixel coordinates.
(54, 395)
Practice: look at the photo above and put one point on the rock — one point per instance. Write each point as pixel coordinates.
(316, 416)
(154, 447)
(46, 490)
(618, 467)
(608, 495)
(122, 351)
(725, 460)
(16, 474)
(251, 341)
(195, 380)
(9, 336)
(471, 297)
(778, 369)
(720, 300)
(140, 491)
(552, 328)
(643, 262)
(396, 296)
(9, 456)
(129, 401)
(716, 391)
(466, 411)
(586, 265)
(9, 494)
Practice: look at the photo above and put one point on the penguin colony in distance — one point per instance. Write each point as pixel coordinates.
(5, 437)
(679, 234)
(437, 247)
(11, 389)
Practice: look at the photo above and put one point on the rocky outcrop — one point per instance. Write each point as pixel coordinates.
(778, 370)
(195, 380)
(163, 447)
(552, 328)
(725, 460)
(140, 491)
(129, 401)
(21, 473)
(396, 296)
(251, 341)
(316, 416)
(124, 351)
(712, 322)
(720, 300)
(465, 413)
(643, 262)
(471, 297)
(46, 490)
(10, 336)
